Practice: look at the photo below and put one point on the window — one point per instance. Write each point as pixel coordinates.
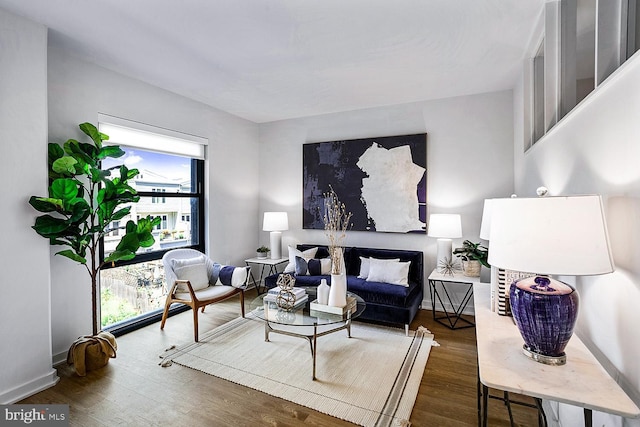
(584, 42)
(538, 94)
(633, 27)
(133, 292)
(115, 226)
(585, 48)
(156, 199)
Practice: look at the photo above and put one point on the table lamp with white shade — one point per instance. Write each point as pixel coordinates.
(548, 236)
(444, 227)
(276, 223)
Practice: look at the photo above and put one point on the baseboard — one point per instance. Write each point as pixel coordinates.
(59, 358)
(29, 388)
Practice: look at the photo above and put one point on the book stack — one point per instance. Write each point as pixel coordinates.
(299, 293)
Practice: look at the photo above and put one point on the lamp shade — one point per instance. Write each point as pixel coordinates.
(445, 226)
(485, 225)
(550, 235)
(275, 221)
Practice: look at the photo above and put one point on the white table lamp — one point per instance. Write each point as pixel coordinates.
(444, 227)
(548, 235)
(276, 223)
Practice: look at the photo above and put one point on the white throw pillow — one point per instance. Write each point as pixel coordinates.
(325, 266)
(395, 272)
(364, 268)
(293, 253)
(365, 265)
(192, 269)
(238, 277)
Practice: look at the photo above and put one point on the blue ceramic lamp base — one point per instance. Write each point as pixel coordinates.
(545, 311)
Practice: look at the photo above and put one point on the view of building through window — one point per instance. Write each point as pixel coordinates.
(137, 289)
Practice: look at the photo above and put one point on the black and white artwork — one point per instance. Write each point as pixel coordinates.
(382, 182)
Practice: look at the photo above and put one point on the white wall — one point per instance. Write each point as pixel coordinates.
(78, 91)
(25, 349)
(469, 158)
(596, 150)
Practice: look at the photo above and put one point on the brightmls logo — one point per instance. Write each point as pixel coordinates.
(37, 415)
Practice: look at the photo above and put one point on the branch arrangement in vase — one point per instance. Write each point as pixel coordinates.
(336, 222)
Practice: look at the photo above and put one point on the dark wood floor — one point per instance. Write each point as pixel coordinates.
(133, 390)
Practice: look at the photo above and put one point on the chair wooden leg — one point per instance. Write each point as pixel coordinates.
(165, 314)
(242, 302)
(195, 323)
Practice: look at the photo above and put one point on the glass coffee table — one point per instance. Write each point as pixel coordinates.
(302, 322)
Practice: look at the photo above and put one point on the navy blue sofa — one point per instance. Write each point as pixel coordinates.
(386, 303)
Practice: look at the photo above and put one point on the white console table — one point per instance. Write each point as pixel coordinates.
(581, 382)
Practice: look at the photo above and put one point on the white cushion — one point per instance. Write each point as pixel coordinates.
(365, 263)
(325, 266)
(192, 269)
(211, 292)
(386, 271)
(293, 253)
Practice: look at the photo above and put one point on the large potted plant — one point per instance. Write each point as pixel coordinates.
(83, 202)
(473, 255)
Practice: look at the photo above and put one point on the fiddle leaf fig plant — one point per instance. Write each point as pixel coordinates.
(83, 202)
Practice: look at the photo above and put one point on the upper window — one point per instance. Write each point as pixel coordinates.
(538, 94)
(585, 42)
(633, 27)
(585, 53)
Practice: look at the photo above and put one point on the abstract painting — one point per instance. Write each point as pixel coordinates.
(382, 182)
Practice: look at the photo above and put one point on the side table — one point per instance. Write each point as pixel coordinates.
(452, 318)
(581, 382)
(264, 262)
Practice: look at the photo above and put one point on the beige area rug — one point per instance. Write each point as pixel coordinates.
(370, 379)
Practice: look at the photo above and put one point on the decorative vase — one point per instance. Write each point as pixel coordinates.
(338, 290)
(545, 311)
(261, 254)
(323, 292)
(471, 268)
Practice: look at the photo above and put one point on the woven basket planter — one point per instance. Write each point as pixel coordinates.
(471, 268)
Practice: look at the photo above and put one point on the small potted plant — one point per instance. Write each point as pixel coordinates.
(262, 251)
(473, 255)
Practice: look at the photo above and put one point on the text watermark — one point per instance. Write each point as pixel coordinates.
(34, 415)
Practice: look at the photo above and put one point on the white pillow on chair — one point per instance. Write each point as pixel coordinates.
(192, 269)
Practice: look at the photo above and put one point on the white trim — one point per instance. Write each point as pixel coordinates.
(140, 135)
(30, 388)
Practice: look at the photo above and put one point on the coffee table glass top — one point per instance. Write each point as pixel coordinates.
(303, 315)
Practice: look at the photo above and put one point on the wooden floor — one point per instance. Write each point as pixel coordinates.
(133, 390)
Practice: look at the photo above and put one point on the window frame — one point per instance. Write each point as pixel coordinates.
(198, 230)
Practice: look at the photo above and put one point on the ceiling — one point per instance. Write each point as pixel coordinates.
(267, 60)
